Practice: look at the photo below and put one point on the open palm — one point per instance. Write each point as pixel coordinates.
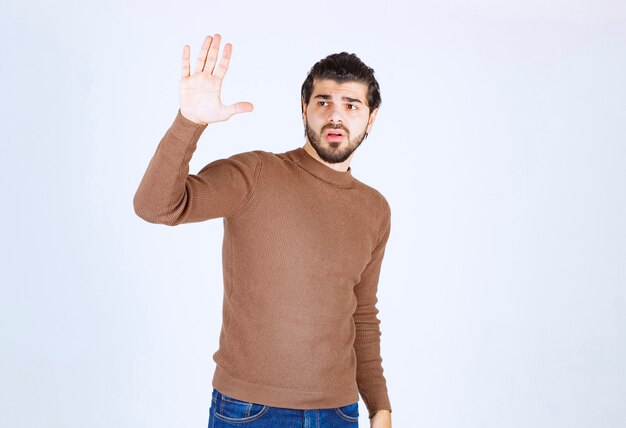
(200, 92)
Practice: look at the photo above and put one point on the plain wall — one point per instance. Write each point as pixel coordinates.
(500, 146)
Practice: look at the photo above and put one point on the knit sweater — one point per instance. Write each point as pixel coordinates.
(302, 252)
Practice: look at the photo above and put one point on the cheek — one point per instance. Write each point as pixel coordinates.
(358, 125)
(314, 122)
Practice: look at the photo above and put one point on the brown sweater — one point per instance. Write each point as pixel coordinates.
(302, 253)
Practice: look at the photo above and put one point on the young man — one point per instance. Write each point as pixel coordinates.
(303, 246)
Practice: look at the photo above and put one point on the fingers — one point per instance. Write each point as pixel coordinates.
(185, 70)
(221, 68)
(200, 62)
(212, 54)
(243, 107)
(208, 57)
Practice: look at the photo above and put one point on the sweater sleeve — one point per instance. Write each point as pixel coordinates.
(370, 379)
(169, 195)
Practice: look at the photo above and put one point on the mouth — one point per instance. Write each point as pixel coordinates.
(334, 135)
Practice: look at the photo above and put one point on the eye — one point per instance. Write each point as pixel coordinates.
(321, 102)
(350, 107)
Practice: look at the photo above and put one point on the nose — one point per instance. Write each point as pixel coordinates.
(335, 115)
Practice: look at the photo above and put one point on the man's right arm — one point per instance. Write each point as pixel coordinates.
(169, 195)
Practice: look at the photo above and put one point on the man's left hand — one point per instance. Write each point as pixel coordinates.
(381, 419)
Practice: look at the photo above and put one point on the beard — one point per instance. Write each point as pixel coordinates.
(333, 153)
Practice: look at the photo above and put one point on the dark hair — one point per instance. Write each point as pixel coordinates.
(343, 67)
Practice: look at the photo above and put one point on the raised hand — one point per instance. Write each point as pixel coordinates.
(200, 92)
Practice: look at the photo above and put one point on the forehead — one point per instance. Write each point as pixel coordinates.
(332, 88)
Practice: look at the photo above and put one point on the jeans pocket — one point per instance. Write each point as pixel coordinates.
(231, 409)
(349, 413)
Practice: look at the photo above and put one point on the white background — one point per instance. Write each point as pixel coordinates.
(500, 146)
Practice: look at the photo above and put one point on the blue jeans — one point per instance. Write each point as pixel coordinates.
(227, 411)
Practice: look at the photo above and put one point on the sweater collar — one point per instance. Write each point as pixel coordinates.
(318, 169)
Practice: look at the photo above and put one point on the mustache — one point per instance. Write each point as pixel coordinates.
(335, 127)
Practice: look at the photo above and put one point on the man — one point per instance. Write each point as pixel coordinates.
(302, 252)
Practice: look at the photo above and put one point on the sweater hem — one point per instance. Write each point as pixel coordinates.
(283, 397)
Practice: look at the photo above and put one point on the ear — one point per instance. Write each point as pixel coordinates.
(303, 105)
(370, 121)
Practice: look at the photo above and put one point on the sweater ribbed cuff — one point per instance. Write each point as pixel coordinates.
(185, 129)
(376, 403)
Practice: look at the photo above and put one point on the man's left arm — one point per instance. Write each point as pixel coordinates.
(370, 379)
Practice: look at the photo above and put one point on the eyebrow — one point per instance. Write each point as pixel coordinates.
(327, 97)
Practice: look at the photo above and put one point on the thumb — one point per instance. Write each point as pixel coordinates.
(242, 107)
